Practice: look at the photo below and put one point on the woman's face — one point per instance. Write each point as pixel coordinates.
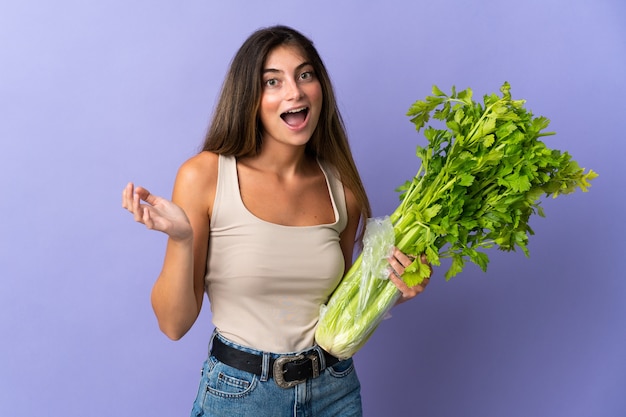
(291, 100)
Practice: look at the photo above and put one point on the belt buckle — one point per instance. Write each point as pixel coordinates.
(279, 365)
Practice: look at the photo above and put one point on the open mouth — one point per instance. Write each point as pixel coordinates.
(295, 117)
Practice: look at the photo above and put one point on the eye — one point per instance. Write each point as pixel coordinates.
(307, 75)
(272, 82)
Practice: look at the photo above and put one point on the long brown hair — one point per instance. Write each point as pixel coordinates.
(236, 129)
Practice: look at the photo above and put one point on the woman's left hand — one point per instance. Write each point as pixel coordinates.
(399, 262)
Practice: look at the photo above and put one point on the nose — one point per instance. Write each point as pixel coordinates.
(293, 91)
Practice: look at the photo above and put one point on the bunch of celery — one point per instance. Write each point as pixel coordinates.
(481, 178)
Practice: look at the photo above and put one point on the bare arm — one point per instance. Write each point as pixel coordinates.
(348, 236)
(178, 292)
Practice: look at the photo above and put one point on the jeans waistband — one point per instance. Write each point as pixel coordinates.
(286, 369)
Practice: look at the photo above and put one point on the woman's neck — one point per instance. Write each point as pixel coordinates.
(283, 161)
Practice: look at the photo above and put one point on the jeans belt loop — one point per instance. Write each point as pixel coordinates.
(265, 367)
(321, 356)
(213, 335)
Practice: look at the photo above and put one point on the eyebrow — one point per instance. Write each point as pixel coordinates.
(274, 70)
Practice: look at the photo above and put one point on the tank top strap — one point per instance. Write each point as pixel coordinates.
(337, 195)
(226, 191)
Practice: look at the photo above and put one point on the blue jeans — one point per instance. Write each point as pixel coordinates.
(228, 392)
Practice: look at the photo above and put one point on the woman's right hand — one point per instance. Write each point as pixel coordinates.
(156, 213)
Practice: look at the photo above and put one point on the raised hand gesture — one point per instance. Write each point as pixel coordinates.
(156, 213)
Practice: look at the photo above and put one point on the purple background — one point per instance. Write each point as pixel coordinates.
(96, 93)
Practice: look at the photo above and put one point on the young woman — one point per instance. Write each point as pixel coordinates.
(265, 220)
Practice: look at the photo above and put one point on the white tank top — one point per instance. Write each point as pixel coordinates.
(265, 281)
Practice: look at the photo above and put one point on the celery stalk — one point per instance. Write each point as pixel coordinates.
(480, 180)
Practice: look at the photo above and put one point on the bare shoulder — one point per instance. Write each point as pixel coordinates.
(199, 168)
(196, 180)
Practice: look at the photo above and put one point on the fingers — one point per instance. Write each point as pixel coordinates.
(127, 196)
(137, 210)
(404, 288)
(131, 201)
(407, 292)
(147, 218)
(400, 259)
(399, 262)
(145, 195)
